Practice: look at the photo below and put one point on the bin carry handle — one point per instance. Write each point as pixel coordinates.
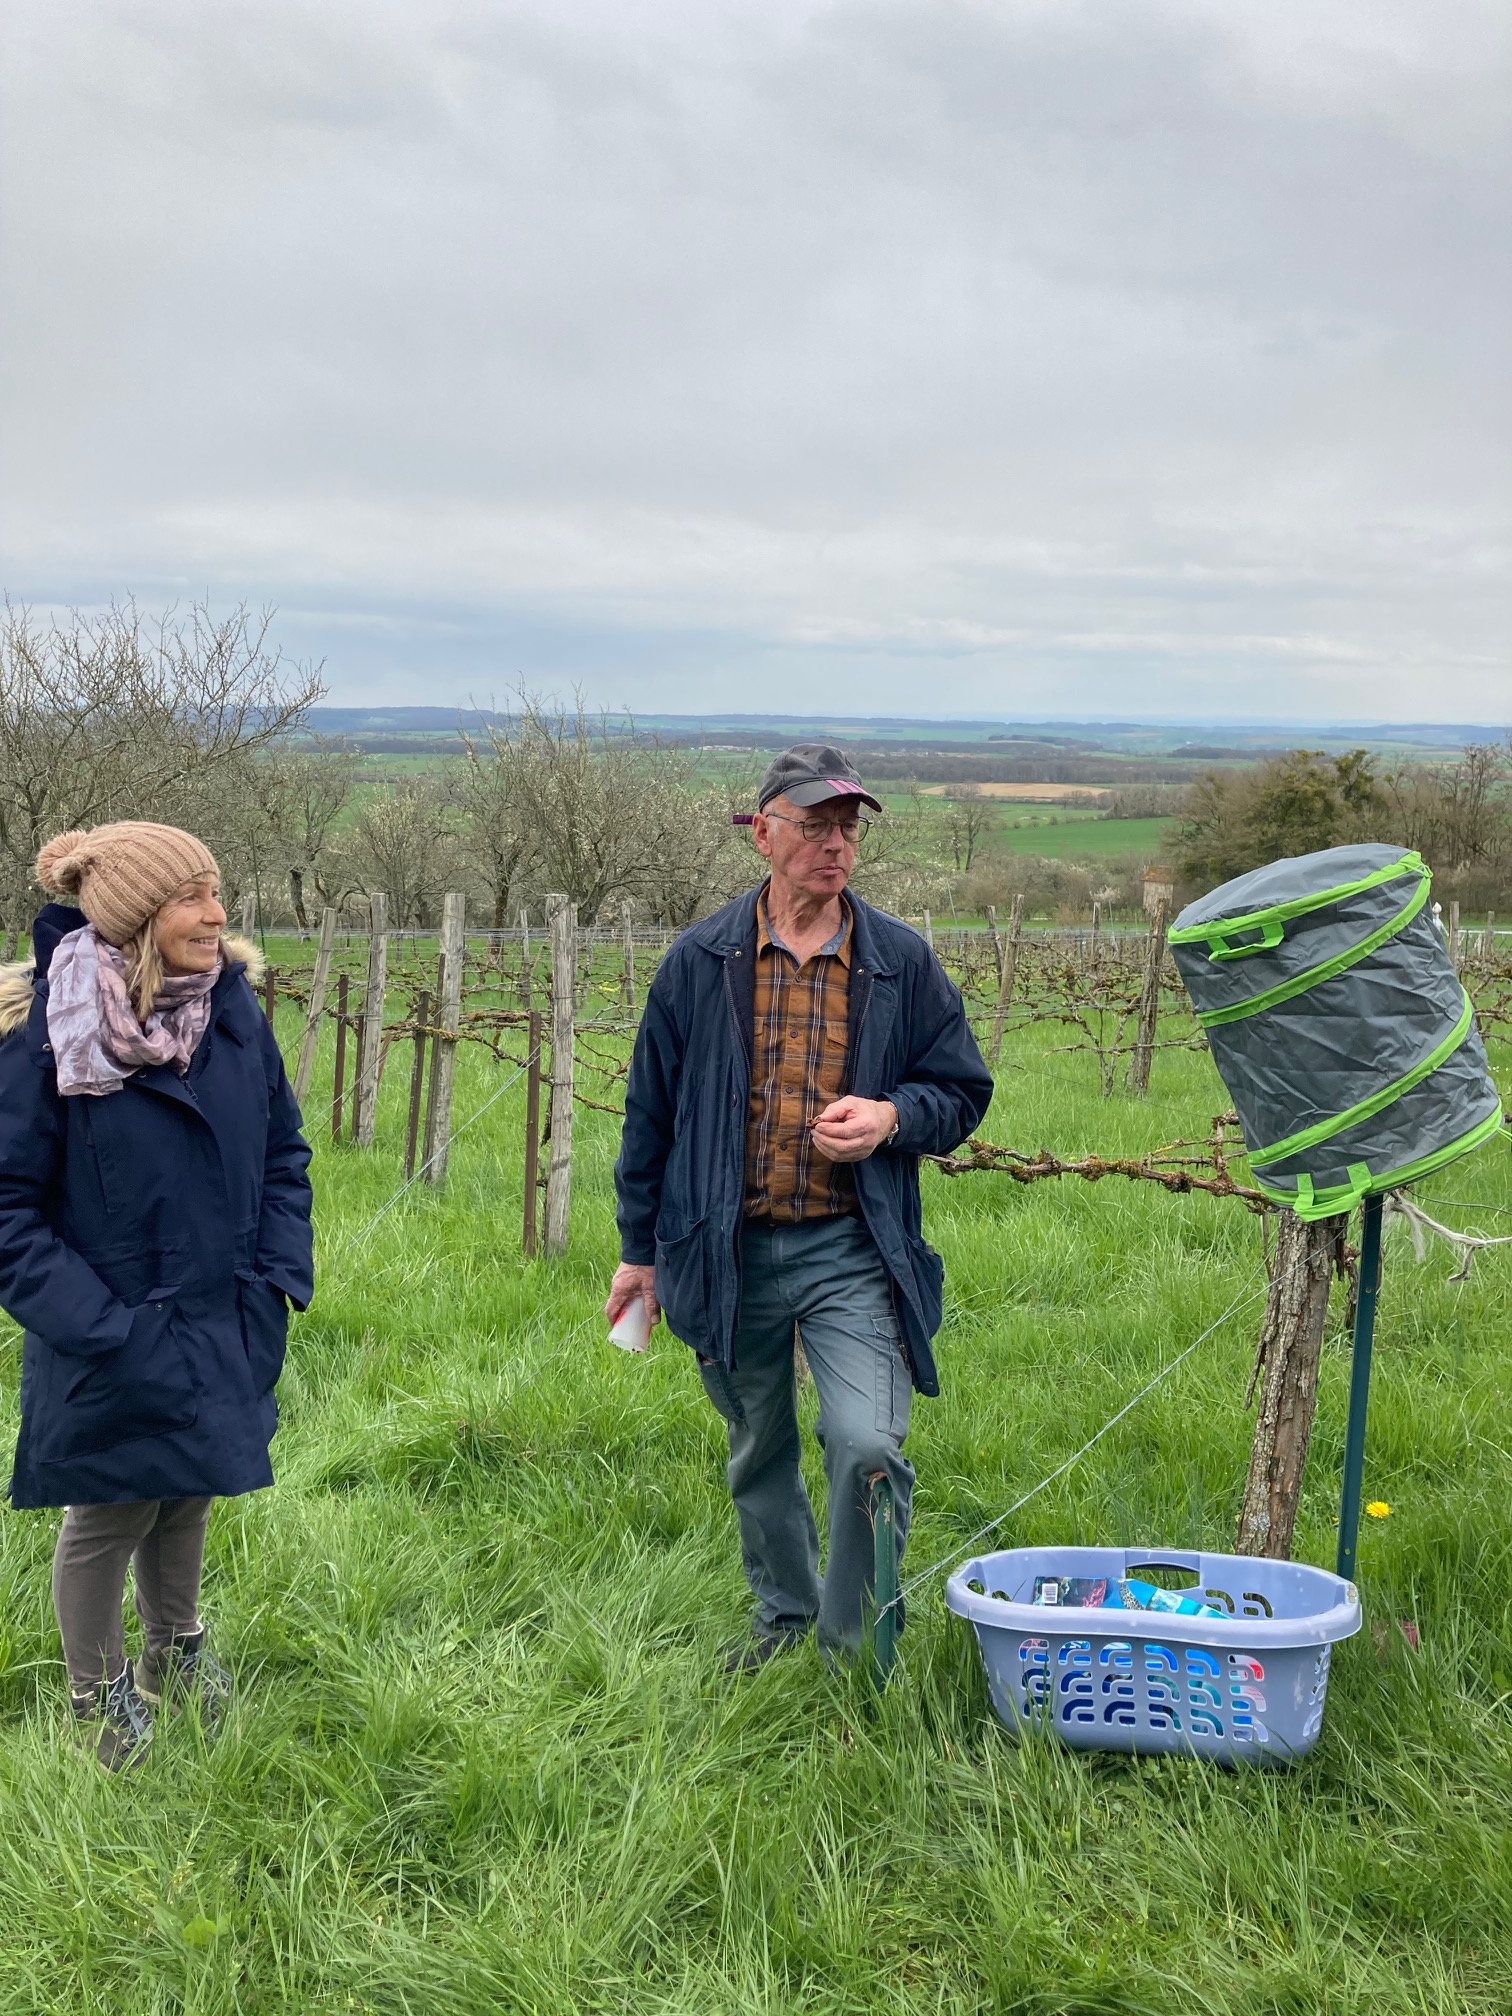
(1272, 931)
(1324, 1204)
(1174, 1557)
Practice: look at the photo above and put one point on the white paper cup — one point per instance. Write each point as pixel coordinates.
(633, 1330)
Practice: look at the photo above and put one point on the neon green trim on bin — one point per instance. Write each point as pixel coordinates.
(1310, 1204)
(1324, 1130)
(1330, 969)
(1219, 929)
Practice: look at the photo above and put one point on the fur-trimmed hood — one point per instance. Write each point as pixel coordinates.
(18, 981)
(15, 995)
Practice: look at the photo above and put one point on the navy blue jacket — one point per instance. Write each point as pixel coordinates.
(680, 1176)
(148, 1240)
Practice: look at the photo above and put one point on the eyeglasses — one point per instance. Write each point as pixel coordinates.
(851, 831)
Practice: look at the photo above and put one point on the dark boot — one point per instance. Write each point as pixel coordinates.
(761, 1646)
(186, 1668)
(114, 1724)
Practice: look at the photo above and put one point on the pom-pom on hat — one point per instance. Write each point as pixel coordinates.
(122, 874)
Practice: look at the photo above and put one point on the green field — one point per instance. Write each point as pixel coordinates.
(1079, 839)
(486, 1756)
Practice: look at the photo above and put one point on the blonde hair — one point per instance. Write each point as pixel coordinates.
(144, 969)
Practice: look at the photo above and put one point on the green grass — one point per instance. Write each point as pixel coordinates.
(486, 1756)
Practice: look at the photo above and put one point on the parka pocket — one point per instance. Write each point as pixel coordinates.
(265, 1329)
(140, 1389)
(682, 1286)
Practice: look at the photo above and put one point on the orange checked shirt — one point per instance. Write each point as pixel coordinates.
(798, 1066)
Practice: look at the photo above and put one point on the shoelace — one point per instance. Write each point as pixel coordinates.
(123, 1704)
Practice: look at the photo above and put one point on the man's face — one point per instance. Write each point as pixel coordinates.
(817, 868)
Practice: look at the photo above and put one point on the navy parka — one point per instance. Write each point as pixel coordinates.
(680, 1176)
(150, 1243)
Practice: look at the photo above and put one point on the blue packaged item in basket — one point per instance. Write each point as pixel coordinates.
(1076, 1592)
(1137, 1595)
(1246, 1685)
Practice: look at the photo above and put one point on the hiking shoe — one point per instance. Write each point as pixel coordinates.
(114, 1724)
(186, 1667)
(761, 1646)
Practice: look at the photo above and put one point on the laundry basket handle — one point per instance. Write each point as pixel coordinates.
(1272, 931)
(1168, 1557)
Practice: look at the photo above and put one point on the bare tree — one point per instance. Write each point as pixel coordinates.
(402, 843)
(593, 796)
(701, 857)
(495, 836)
(901, 865)
(968, 814)
(110, 716)
(1457, 815)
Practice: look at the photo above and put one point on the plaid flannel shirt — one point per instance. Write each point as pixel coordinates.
(798, 1065)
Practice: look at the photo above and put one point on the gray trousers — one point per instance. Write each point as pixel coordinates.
(164, 1541)
(828, 1278)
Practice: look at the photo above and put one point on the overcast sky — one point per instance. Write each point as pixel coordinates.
(1131, 358)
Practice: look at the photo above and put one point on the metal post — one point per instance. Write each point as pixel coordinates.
(884, 1576)
(532, 1131)
(1359, 1386)
(417, 1083)
(339, 1079)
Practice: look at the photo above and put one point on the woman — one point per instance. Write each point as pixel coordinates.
(154, 1227)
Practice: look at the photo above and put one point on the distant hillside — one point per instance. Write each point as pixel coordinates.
(1057, 752)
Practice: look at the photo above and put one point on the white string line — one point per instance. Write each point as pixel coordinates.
(456, 1133)
(961, 1546)
(1399, 1205)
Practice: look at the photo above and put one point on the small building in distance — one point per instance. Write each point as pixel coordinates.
(1159, 887)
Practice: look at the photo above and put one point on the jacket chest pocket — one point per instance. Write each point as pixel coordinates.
(114, 1148)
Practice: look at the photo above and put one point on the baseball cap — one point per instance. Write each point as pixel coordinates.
(811, 772)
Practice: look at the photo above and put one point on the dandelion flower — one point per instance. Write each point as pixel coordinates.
(1378, 1509)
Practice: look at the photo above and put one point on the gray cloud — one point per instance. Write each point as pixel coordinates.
(880, 357)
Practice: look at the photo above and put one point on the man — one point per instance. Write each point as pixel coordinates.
(798, 1053)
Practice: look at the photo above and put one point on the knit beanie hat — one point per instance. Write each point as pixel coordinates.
(122, 874)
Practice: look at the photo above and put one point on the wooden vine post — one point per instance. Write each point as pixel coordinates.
(1307, 1256)
(444, 1057)
(997, 943)
(525, 959)
(1149, 1003)
(365, 1113)
(561, 916)
(318, 984)
(1005, 984)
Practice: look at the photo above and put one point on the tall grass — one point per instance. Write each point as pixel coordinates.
(486, 1755)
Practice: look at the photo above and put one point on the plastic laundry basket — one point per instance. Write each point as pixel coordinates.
(1338, 1024)
(1247, 1688)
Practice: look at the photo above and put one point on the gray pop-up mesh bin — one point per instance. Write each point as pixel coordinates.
(1338, 1024)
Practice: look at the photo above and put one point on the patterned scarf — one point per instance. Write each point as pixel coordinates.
(96, 1038)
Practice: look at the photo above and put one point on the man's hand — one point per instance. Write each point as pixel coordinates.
(631, 1284)
(849, 1129)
